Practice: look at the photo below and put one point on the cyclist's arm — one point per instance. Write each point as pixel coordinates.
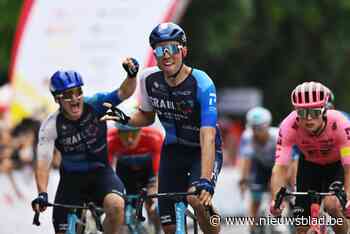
(142, 118)
(347, 180)
(46, 143)
(127, 88)
(283, 155)
(279, 178)
(245, 154)
(207, 141)
(343, 142)
(245, 165)
(206, 96)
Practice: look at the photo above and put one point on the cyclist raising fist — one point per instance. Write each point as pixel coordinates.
(76, 131)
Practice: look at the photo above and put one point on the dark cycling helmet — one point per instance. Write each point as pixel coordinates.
(167, 32)
(126, 127)
(310, 95)
(63, 80)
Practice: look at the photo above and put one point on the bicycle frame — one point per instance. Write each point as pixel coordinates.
(134, 225)
(72, 218)
(181, 210)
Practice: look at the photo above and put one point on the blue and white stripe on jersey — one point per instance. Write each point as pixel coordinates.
(206, 95)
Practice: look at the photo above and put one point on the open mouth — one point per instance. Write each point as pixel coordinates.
(75, 107)
(167, 63)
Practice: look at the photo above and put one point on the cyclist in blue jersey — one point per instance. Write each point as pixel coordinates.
(184, 100)
(76, 131)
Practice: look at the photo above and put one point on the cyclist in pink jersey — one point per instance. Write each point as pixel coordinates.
(323, 137)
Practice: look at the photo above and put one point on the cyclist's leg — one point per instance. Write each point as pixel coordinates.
(259, 185)
(68, 192)
(203, 213)
(334, 172)
(306, 174)
(151, 208)
(172, 178)
(137, 173)
(108, 191)
(128, 177)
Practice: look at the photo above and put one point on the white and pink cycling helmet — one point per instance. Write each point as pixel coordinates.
(310, 95)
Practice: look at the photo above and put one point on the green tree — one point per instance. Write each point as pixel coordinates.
(273, 45)
(9, 11)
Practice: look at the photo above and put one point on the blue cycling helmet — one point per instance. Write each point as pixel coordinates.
(258, 116)
(126, 127)
(167, 32)
(63, 80)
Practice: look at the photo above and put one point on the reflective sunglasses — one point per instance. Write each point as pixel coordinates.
(69, 94)
(171, 49)
(313, 113)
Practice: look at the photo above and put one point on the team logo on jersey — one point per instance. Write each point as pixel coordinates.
(182, 93)
(334, 126)
(185, 106)
(347, 131)
(212, 99)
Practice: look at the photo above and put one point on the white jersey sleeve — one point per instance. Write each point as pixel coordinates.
(47, 137)
(145, 103)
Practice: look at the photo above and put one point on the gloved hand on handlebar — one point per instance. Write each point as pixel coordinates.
(205, 189)
(114, 113)
(40, 203)
(276, 211)
(204, 184)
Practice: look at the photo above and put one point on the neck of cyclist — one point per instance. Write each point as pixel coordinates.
(320, 129)
(178, 76)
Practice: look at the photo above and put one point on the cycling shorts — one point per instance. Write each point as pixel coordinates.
(77, 188)
(314, 177)
(179, 167)
(135, 172)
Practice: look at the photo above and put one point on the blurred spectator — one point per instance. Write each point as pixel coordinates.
(25, 136)
(231, 131)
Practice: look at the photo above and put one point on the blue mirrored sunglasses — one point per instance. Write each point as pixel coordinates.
(171, 49)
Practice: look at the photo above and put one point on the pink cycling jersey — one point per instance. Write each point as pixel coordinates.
(332, 145)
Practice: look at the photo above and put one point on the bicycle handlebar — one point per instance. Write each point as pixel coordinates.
(334, 191)
(95, 211)
(143, 196)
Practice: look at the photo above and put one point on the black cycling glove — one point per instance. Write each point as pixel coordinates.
(41, 200)
(116, 112)
(131, 70)
(204, 184)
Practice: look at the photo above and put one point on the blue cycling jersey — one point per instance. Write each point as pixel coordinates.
(82, 143)
(182, 109)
